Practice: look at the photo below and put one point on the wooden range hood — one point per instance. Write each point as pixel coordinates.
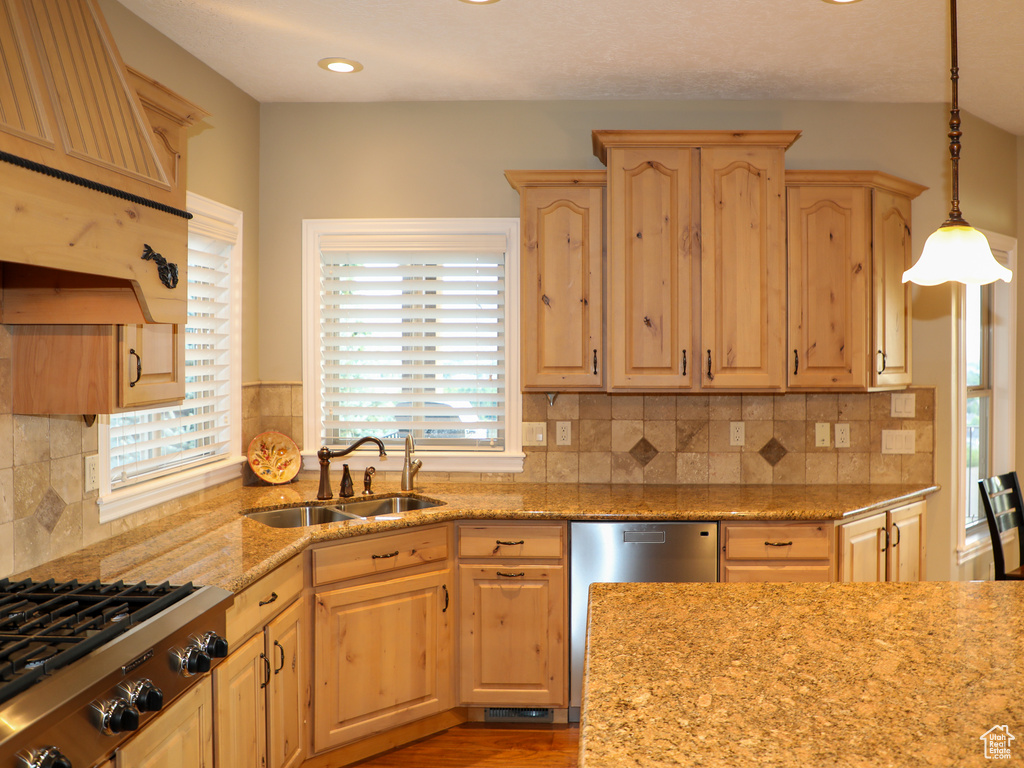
(92, 194)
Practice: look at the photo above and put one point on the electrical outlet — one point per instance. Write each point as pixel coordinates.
(92, 473)
(821, 436)
(564, 433)
(737, 433)
(535, 433)
(842, 435)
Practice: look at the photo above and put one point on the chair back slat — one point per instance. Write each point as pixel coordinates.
(1004, 511)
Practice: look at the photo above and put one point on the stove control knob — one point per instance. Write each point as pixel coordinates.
(145, 696)
(48, 757)
(214, 645)
(119, 716)
(194, 661)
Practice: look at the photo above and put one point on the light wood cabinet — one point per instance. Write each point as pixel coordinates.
(562, 278)
(513, 617)
(886, 546)
(696, 258)
(743, 266)
(777, 552)
(383, 642)
(849, 311)
(181, 735)
(262, 690)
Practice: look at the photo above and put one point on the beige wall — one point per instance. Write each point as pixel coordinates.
(223, 150)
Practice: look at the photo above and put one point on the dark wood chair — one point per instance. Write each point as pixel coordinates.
(1001, 498)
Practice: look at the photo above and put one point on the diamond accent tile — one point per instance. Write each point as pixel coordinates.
(773, 451)
(49, 510)
(643, 452)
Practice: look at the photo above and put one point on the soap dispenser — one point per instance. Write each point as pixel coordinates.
(347, 489)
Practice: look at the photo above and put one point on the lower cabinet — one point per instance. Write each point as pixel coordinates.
(777, 552)
(181, 735)
(512, 634)
(383, 638)
(261, 690)
(886, 546)
(513, 616)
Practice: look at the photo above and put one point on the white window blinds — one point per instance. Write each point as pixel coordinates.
(412, 332)
(150, 443)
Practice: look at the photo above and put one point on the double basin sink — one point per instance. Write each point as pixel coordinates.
(308, 514)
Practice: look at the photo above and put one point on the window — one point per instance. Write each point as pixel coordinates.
(986, 383)
(411, 332)
(149, 452)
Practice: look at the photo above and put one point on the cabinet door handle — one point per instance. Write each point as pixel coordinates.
(885, 546)
(266, 670)
(280, 649)
(384, 557)
(138, 367)
(269, 600)
(778, 543)
(501, 543)
(445, 588)
(711, 376)
(882, 369)
(897, 529)
(684, 362)
(595, 362)
(511, 575)
(796, 362)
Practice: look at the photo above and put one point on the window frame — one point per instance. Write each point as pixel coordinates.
(215, 218)
(1002, 346)
(314, 231)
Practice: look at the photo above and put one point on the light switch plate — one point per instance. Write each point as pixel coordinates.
(821, 434)
(535, 433)
(903, 405)
(898, 441)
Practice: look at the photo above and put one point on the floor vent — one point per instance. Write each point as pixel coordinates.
(518, 715)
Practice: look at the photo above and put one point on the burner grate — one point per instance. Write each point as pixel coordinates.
(47, 625)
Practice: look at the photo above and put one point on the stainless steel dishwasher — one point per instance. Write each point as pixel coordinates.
(630, 552)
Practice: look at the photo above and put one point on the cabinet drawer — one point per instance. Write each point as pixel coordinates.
(379, 554)
(782, 541)
(256, 605)
(775, 572)
(505, 541)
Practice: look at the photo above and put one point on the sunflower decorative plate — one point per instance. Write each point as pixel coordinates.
(274, 457)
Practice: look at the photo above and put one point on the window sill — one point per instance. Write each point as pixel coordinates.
(978, 544)
(127, 501)
(439, 461)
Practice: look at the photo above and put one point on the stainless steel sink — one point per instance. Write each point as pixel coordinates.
(300, 517)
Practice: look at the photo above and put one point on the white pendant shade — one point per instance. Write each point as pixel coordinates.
(956, 253)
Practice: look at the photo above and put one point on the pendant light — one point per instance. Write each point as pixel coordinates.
(956, 251)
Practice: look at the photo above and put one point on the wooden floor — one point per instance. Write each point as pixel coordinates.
(482, 746)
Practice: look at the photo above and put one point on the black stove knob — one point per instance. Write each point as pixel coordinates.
(119, 717)
(147, 697)
(195, 661)
(48, 757)
(214, 645)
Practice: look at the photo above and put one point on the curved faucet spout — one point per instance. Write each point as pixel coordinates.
(325, 455)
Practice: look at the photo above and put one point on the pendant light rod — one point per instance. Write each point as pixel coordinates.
(955, 217)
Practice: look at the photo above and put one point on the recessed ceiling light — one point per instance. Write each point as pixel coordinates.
(840, 2)
(340, 65)
(479, 2)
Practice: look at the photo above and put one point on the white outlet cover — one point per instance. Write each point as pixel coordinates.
(842, 435)
(737, 433)
(563, 433)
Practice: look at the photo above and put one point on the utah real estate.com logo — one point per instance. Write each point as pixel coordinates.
(997, 742)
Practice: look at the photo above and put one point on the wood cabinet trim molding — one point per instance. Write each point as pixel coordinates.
(874, 179)
(520, 179)
(603, 139)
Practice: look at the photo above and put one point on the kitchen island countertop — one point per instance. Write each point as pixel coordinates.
(803, 675)
(212, 543)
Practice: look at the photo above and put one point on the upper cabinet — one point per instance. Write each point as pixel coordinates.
(696, 258)
(562, 278)
(849, 310)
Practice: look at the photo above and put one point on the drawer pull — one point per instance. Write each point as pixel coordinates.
(511, 575)
(778, 543)
(501, 543)
(273, 597)
(384, 557)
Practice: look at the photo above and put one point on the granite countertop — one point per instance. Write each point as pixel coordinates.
(213, 544)
(802, 675)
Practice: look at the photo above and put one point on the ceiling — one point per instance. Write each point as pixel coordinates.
(446, 50)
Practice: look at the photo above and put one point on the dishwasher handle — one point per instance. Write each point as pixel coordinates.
(643, 537)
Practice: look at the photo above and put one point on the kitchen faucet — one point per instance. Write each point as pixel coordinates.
(409, 467)
(325, 455)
